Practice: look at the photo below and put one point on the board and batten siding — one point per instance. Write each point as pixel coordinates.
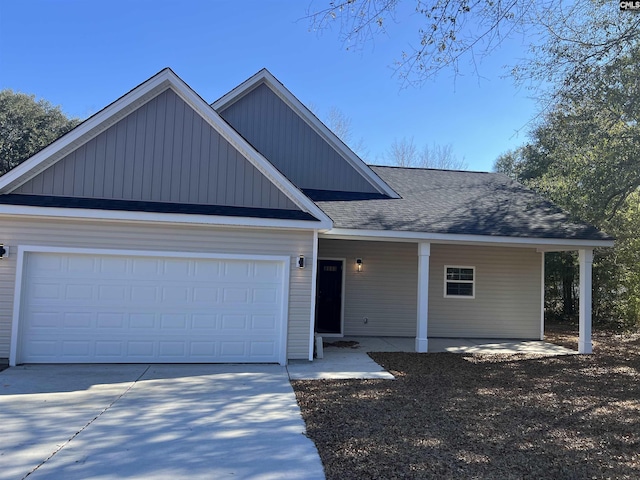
(507, 299)
(163, 151)
(295, 148)
(385, 292)
(162, 238)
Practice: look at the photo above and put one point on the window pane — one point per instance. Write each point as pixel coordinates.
(460, 289)
(466, 274)
(453, 274)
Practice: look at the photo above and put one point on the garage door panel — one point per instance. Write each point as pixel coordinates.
(265, 296)
(206, 271)
(80, 265)
(141, 350)
(142, 321)
(78, 320)
(47, 264)
(206, 295)
(110, 266)
(75, 291)
(236, 270)
(108, 349)
(146, 267)
(148, 309)
(45, 291)
(267, 273)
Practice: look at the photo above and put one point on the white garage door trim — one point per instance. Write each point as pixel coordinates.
(24, 249)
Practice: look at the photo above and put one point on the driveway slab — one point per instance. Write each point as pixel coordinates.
(153, 421)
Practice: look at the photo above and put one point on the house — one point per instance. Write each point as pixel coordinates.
(165, 229)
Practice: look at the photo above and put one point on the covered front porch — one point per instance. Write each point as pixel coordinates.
(434, 291)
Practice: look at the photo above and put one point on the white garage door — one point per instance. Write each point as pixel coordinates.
(136, 309)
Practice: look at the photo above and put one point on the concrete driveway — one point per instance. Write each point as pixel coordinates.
(153, 422)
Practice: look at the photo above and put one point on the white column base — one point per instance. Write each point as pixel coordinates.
(585, 347)
(319, 348)
(422, 345)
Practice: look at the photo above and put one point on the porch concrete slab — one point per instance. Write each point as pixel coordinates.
(153, 421)
(494, 346)
(354, 365)
(342, 361)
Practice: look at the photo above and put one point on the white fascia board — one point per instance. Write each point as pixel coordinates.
(548, 244)
(179, 218)
(88, 129)
(331, 138)
(239, 91)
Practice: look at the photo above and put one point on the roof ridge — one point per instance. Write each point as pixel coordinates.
(398, 167)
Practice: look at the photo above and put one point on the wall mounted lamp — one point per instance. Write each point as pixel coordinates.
(358, 264)
(3, 252)
(301, 261)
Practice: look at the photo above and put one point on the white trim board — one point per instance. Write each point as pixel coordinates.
(546, 244)
(23, 249)
(132, 216)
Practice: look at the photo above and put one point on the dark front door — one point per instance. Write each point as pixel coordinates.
(329, 296)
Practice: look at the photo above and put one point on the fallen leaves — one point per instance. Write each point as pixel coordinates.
(483, 416)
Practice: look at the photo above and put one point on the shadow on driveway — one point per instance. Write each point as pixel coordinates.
(152, 421)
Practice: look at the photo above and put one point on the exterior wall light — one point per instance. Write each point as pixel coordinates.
(358, 264)
(301, 261)
(3, 252)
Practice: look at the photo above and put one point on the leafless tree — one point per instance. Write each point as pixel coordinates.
(405, 153)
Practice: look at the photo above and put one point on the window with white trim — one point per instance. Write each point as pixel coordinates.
(459, 282)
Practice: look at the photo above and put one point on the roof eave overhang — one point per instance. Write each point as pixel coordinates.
(541, 244)
(22, 211)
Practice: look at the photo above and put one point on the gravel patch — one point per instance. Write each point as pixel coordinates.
(484, 416)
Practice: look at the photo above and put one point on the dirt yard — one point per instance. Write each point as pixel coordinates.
(484, 416)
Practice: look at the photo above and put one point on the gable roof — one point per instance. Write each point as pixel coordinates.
(343, 153)
(118, 110)
(443, 202)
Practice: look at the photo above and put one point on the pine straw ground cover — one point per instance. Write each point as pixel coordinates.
(483, 416)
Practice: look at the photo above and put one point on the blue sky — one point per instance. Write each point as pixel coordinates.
(82, 55)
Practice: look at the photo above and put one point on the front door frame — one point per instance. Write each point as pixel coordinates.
(342, 299)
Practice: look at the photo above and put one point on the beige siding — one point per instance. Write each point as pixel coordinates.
(507, 296)
(384, 292)
(295, 148)
(162, 152)
(113, 235)
(506, 304)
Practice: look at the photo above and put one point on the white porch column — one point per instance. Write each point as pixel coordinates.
(585, 258)
(313, 262)
(422, 343)
(542, 298)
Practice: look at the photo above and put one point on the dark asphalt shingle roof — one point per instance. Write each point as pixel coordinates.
(455, 202)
